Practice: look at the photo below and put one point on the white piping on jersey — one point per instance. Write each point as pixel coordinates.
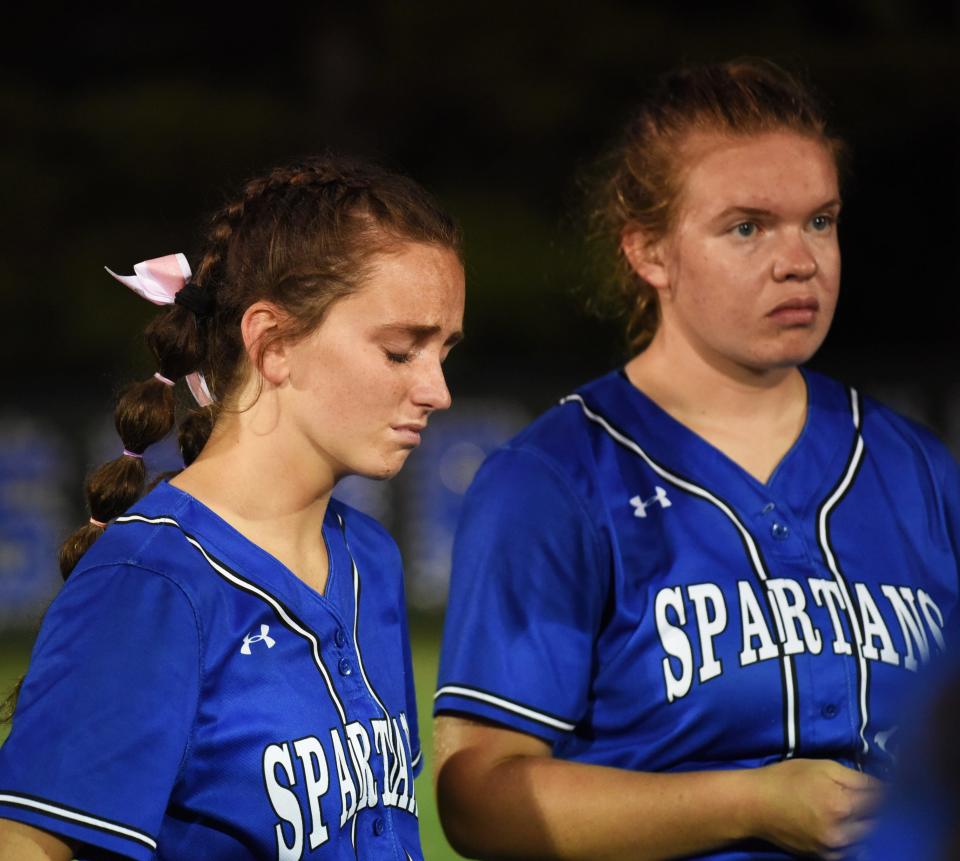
(247, 586)
(416, 760)
(754, 553)
(506, 705)
(356, 644)
(824, 537)
(82, 818)
(356, 622)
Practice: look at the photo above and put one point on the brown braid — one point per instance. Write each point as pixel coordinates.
(644, 174)
(301, 237)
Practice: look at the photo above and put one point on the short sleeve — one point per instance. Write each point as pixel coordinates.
(105, 714)
(951, 507)
(951, 493)
(939, 476)
(528, 589)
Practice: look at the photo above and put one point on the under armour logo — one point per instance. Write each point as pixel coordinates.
(263, 636)
(640, 505)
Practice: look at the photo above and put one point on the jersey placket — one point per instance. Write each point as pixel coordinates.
(775, 543)
(827, 710)
(373, 828)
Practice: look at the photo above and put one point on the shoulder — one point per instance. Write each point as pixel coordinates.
(900, 425)
(170, 536)
(563, 439)
(109, 603)
(547, 479)
(899, 442)
(890, 434)
(147, 534)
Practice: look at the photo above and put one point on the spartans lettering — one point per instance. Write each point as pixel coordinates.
(900, 626)
(299, 774)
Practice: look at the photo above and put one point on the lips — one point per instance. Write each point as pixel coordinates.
(409, 433)
(795, 312)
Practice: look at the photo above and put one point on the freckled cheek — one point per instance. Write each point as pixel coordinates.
(370, 399)
(377, 403)
(338, 390)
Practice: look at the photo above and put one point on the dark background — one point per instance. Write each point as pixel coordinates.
(126, 126)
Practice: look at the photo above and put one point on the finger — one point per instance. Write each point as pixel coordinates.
(868, 782)
(863, 802)
(853, 778)
(850, 833)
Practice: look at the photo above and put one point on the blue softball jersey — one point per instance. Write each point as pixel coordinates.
(190, 697)
(629, 594)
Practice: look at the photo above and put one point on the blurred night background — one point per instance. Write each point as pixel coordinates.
(126, 127)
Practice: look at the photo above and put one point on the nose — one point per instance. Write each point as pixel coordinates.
(795, 260)
(431, 390)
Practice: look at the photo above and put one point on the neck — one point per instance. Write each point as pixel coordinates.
(753, 417)
(691, 386)
(252, 475)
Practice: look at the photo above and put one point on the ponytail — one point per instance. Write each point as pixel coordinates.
(145, 411)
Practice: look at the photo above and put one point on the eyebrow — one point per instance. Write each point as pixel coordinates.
(759, 212)
(420, 332)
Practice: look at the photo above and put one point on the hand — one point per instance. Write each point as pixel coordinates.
(814, 806)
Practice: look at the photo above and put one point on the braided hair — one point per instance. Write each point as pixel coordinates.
(300, 237)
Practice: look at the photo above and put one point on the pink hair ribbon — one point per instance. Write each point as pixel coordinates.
(198, 388)
(159, 280)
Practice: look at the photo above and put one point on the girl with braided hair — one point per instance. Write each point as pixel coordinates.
(226, 673)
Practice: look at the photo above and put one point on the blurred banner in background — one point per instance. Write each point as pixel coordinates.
(420, 507)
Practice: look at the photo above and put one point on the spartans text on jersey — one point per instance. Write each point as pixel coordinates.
(297, 775)
(919, 623)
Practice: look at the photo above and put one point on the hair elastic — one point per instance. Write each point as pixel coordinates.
(160, 281)
(98, 523)
(128, 453)
(195, 299)
(163, 379)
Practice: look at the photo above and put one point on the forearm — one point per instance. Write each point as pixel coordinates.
(19, 842)
(502, 795)
(540, 807)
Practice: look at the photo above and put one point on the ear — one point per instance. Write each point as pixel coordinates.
(260, 322)
(645, 257)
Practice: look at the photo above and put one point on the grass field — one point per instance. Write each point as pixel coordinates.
(426, 652)
(15, 653)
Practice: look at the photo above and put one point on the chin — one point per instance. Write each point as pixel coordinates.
(387, 468)
(796, 352)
